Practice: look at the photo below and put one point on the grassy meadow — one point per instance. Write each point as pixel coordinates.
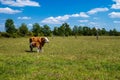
(84, 58)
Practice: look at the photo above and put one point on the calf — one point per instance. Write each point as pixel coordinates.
(38, 42)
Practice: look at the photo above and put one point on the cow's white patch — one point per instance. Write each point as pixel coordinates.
(46, 40)
(38, 50)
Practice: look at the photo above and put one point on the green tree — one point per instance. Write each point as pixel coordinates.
(23, 30)
(75, 31)
(61, 30)
(80, 30)
(94, 31)
(99, 32)
(55, 31)
(86, 31)
(68, 30)
(46, 30)
(103, 31)
(36, 29)
(10, 27)
(110, 33)
(115, 32)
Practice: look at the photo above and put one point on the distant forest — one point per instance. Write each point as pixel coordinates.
(63, 30)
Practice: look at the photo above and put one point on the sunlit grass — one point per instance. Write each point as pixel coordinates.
(84, 58)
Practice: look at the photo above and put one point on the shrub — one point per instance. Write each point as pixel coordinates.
(4, 34)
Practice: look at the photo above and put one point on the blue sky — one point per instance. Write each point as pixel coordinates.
(91, 13)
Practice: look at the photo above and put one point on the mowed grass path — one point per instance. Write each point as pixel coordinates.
(84, 58)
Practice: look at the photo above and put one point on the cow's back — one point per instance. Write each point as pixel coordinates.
(35, 39)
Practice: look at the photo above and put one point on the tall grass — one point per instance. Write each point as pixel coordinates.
(84, 58)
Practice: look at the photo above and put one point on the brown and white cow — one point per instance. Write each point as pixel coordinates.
(38, 42)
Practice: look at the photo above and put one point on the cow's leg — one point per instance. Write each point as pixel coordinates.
(31, 47)
(38, 50)
(41, 49)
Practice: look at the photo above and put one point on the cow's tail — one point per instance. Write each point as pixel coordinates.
(30, 40)
(31, 47)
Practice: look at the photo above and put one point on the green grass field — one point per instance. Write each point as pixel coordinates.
(84, 58)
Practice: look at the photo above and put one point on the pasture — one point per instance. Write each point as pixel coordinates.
(84, 58)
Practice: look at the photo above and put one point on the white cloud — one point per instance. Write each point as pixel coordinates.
(117, 22)
(30, 24)
(55, 20)
(20, 3)
(92, 23)
(95, 24)
(75, 15)
(114, 14)
(8, 10)
(116, 5)
(24, 18)
(82, 14)
(62, 19)
(50, 20)
(96, 10)
(83, 21)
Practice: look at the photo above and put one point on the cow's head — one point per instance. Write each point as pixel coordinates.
(46, 40)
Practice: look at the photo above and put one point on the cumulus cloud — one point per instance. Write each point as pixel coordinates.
(51, 20)
(20, 3)
(114, 14)
(55, 20)
(92, 23)
(8, 10)
(61, 19)
(83, 21)
(81, 14)
(96, 10)
(30, 24)
(24, 18)
(116, 5)
(84, 15)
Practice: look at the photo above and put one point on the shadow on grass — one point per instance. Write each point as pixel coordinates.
(28, 51)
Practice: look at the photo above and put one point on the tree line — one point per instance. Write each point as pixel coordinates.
(63, 30)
